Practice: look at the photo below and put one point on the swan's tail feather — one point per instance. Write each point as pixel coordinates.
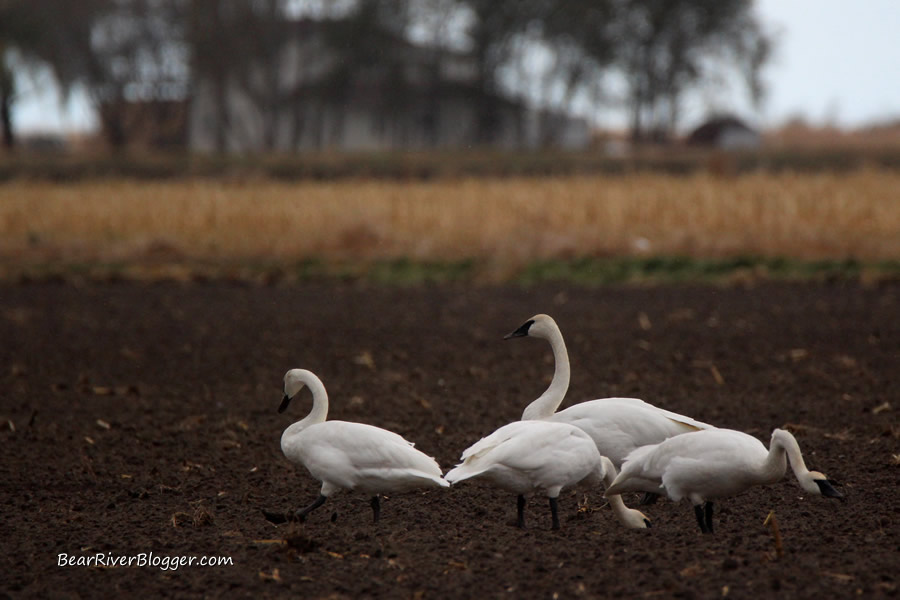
(461, 473)
(454, 475)
(687, 422)
(434, 478)
(476, 451)
(400, 479)
(441, 482)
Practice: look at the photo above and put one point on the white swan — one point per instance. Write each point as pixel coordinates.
(539, 456)
(351, 456)
(617, 425)
(715, 463)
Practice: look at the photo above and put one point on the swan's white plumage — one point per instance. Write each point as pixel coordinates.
(352, 456)
(714, 463)
(528, 456)
(620, 425)
(617, 425)
(544, 457)
(355, 456)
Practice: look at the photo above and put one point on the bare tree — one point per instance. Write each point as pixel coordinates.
(491, 33)
(138, 51)
(238, 45)
(663, 47)
(36, 33)
(16, 34)
(577, 34)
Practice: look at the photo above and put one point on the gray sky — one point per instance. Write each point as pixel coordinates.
(836, 62)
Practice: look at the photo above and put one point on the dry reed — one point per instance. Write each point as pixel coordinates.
(509, 221)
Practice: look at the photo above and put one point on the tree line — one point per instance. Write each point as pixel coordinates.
(645, 55)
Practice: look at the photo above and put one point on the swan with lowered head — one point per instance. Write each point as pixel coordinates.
(715, 463)
(351, 456)
(617, 425)
(540, 456)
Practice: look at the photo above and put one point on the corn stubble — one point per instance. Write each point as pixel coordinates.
(508, 221)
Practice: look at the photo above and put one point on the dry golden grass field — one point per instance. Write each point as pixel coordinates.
(501, 221)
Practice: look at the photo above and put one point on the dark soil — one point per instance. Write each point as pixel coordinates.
(141, 418)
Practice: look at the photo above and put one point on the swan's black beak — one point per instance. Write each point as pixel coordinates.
(284, 403)
(648, 523)
(521, 331)
(828, 490)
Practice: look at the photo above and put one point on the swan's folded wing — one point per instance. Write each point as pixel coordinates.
(620, 425)
(490, 442)
(346, 453)
(686, 421)
(685, 474)
(641, 472)
(640, 456)
(627, 414)
(529, 455)
(528, 447)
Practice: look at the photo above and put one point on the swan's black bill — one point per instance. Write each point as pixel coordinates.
(521, 331)
(284, 404)
(827, 489)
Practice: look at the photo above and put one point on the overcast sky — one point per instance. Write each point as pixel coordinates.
(836, 62)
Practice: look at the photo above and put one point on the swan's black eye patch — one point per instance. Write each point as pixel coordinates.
(521, 331)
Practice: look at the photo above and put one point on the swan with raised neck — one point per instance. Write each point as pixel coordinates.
(617, 425)
(544, 327)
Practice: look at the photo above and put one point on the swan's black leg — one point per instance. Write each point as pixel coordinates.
(709, 513)
(520, 511)
(301, 514)
(554, 512)
(701, 519)
(376, 508)
(649, 498)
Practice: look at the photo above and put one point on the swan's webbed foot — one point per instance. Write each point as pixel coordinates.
(300, 515)
(554, 513)
(520, 511)
(375, 503)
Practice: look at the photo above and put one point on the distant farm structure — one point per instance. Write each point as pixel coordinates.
(725, 133)
(411, 97)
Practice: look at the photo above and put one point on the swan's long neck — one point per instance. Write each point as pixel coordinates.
(549, 401)
(783, 443)
(629, 517)
(774, 466)
(319, 411)
(622, 512)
